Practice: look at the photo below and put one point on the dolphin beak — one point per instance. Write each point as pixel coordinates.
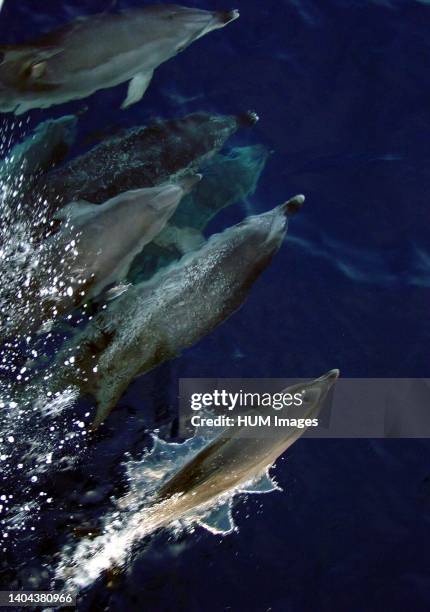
(292, 206)
(330, 377)
(188, 181)
(226, 17)
(248, 119)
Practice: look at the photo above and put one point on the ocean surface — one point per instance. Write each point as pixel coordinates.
(342, 89)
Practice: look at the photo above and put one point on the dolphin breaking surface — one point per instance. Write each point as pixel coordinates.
(181, 485)
(155, 320)
(99, 52)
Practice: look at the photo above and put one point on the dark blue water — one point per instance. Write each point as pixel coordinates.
(342, 89)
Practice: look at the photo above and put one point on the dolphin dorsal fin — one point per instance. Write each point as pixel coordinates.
(76, 210)
(263, 485)
(219, 519)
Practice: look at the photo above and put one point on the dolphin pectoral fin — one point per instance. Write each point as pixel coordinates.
(74, 210)
(218, 520)
(103, 411)
(264, 485)
(22, 108)
(136, 88)
(107, 399)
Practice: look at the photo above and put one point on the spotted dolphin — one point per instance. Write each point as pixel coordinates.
(98, 52)
(156, 319)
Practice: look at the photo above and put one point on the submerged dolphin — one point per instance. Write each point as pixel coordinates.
(45, 147)
(138, 157)
(201, 491)
(93, 249)
(98, 52)
(156, 319)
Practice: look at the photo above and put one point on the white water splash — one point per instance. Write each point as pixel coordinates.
(34, 440)
(132, 517)
(35, 435)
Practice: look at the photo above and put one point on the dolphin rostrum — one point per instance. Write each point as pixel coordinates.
(156, 319)
(93, 249)
(201, 490)
(98, 52)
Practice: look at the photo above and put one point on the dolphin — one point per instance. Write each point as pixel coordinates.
(237, 462)
(143, 156)
(45, 147)
(155, 320)
(93, 249)
(201, 491)
(98, 52)
(20, 170)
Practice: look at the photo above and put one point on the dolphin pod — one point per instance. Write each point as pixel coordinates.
(81, 260)
(99, 52)
(138, 157)
(156, 319)
(121, 222)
